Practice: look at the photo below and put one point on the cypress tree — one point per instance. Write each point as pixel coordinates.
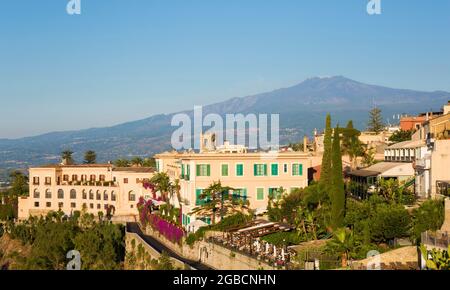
(337, 191)
(325, 171)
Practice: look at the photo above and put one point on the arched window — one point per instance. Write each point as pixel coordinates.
(60, 194)
(131, 196)
(73, 194)
(91, 195)
(113, 196)
(98, 195)
(84, 194)
(48, 193)
(105, 195)
(36, 193)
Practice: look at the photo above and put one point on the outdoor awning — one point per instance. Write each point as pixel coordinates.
(363, 173)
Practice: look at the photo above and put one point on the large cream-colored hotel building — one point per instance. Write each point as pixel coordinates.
(253, 175)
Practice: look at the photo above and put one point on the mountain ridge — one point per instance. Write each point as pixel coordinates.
(302, 107)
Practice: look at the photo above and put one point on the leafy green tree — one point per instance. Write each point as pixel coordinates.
(149, 162)
(390, 221)
(325, 171)
(428, 217)
(90, 157)
(66, 156)
(337, 190)
(375, 123)
(369, 158)
(351, 145)
(401, 136)
(19, 184)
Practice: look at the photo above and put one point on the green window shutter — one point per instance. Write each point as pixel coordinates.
(260, 193)
(188, 172)
(255, 169)
(208, 170)
(239, 170)
(265, 169)
(198, 170)
(224, 169)
(300, 169)
(188, 220)
(275, 169)
(182, 170)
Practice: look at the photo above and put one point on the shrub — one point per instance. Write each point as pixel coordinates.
(429, 216)
(389, 222)
(284, 238)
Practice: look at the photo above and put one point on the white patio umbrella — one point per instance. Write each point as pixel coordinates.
(275, 251)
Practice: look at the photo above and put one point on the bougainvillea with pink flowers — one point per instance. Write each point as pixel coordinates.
(170, 231)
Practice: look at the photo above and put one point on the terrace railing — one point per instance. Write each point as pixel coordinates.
(436, 239)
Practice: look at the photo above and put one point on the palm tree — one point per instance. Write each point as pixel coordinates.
(218, 199)
(343, 242)
(122, 163)
(66, 157)
(161, 182)
(137, 161)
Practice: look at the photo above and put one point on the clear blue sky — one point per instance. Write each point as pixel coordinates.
(124, 60)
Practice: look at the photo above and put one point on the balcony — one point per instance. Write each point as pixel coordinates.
(423, 163)
(437, 239)
(89, 183)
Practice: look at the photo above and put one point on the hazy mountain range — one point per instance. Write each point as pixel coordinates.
(301, 107)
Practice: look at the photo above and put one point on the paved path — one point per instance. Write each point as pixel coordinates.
(157, 245)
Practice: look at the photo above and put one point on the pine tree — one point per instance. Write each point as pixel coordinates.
(90, 157)
(375, 123)
(325, 170)
(337, 191)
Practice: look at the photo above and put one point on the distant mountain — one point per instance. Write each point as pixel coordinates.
(301, 107)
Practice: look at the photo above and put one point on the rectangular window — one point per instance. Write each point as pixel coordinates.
(260, 169)
(274, 169)
(102, 178)
(91, 205)
(48, 181)
(297, 169)
(99, 206)
(48, 204)
(203, 170)
(125, 180)
(198, 197)
(240, 193)
(74, 177)
(73, 205)
(224, 169)
(274, 193)
(285, 169)
(260, 193)
(60, 204)
(240, 170)
(36, 180)
(36, 204)
(65, 177)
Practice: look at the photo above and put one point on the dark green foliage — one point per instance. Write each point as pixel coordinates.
(284, 238)
(337, 190)
(389, 222)
(430, 216)
(325, 171)
(90, 157)
(233, 221)
(51, 238)
(401, 136)
(375, 123)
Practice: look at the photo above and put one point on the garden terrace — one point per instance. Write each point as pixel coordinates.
(247, 240)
